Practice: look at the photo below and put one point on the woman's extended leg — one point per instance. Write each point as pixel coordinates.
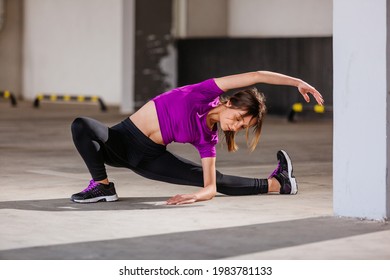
(174, 169)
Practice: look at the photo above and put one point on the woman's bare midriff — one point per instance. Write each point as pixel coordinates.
(146, 120)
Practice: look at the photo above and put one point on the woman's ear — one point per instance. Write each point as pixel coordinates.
(228, 104)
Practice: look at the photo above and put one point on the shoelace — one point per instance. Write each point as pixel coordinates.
(275, 172)
(92, 184)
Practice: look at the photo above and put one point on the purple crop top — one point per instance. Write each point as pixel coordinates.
(182, 116)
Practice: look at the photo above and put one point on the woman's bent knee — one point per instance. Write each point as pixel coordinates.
(78, 126)
(91, 127)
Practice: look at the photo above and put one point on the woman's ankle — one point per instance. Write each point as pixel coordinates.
(273, 185)
(105, 181)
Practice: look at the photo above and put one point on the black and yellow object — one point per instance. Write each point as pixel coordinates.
(8, 95)
(299, 108)
(69, 98)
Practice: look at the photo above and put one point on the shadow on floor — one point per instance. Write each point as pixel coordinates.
(64, 204)
(206, 244)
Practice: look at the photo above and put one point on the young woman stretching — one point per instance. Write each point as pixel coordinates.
(187, 114)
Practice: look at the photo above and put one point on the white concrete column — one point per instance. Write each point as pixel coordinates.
(126, 105)
(361, 112)
(388, 106)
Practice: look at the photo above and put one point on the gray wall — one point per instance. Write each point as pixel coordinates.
(207, 18)
(224, 37)
(280, 18)
(73, 47)
(64, 40)
(307, 58)
(11, 47)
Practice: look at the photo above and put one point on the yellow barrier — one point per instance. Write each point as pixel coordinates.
(69, 98)
(8, 95)
(299, 108)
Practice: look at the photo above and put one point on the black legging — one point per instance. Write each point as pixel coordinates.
(124, 145)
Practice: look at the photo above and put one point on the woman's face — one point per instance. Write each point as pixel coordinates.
(234, 120)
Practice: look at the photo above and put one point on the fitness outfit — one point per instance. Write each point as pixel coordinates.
(182, 114)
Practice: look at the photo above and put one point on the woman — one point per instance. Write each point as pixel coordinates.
(188, 114)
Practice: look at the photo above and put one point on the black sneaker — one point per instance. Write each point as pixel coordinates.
(96, 192)
(284, 174)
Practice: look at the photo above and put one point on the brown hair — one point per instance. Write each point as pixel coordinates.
(253, 102)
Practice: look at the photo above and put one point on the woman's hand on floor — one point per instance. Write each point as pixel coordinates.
(182, 199)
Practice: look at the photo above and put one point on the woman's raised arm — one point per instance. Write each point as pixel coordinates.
(251, 78)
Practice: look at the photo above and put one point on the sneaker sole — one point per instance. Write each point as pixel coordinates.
(110, 198)
(294, 185)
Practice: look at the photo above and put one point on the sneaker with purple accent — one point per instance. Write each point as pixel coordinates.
(96, 192)
(284, 174)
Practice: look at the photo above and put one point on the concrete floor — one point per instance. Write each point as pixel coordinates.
(40, 169)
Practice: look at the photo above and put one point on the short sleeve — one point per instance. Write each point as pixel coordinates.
(207, 150)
